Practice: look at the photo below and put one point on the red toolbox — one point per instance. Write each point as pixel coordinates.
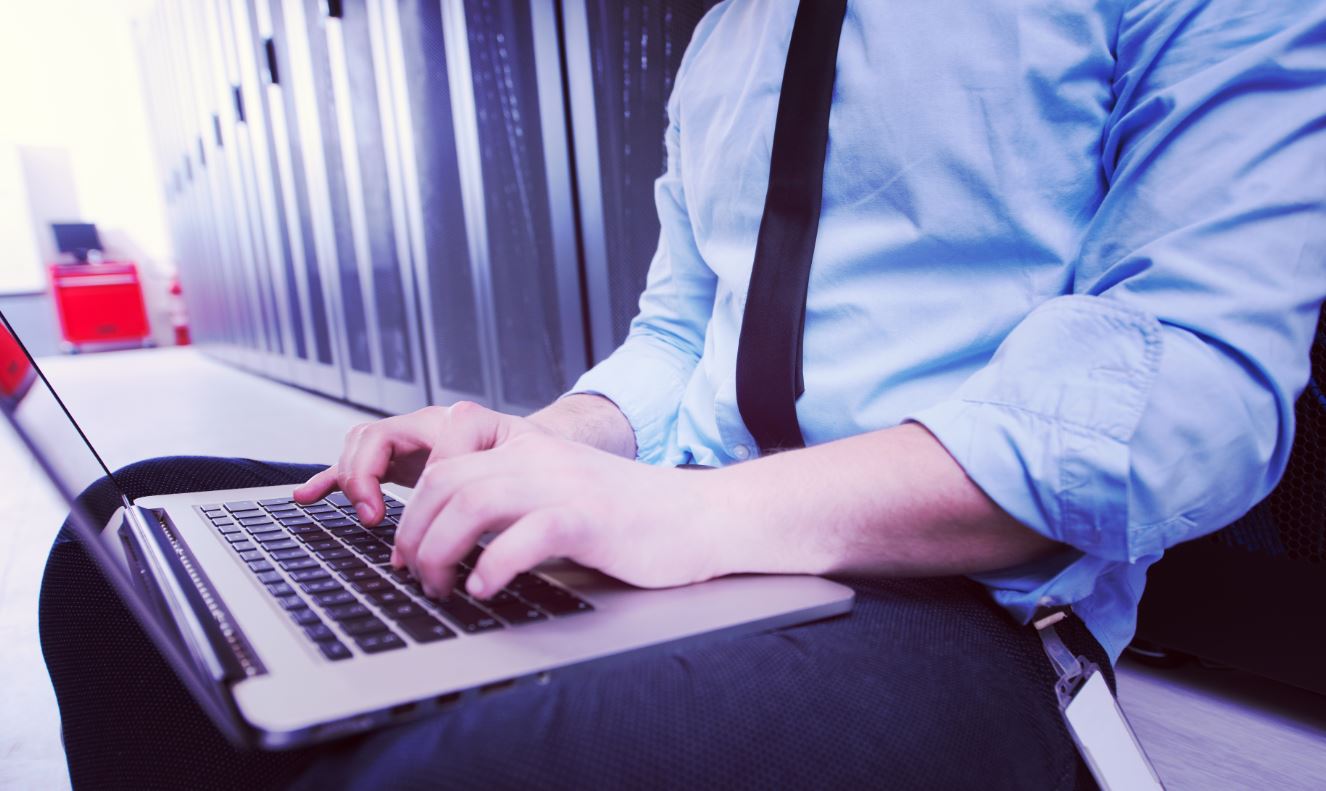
(99, 303)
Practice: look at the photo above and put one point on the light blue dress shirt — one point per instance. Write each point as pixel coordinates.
(1083, 243)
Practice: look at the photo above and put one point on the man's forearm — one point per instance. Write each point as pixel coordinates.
(891, 502)
(591, 420)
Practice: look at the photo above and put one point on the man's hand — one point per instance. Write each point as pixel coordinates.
(396, 449)
(549, 497)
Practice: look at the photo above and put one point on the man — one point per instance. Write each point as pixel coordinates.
(1066, 266)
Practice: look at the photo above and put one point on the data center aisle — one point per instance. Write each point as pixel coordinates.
(1204, 728)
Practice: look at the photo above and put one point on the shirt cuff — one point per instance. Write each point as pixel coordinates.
(646, 383)
(1044, 428)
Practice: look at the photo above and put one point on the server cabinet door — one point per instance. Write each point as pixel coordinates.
(212, 209)
(259, 106)
(313, 259)
(232, 151)
(241, 115)
(621, 57)
(504, 63)
(342, 53)
(452, 311)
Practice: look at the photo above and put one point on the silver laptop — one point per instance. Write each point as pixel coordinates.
(289, 626)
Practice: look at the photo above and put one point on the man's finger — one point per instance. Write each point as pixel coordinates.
(317, 487)
(468, 428)
(361, 477)
(440, 479)
(529, 541)
(469, 513)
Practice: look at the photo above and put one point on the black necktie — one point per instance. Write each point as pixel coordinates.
(769, 352)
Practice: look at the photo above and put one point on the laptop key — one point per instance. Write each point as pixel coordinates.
(277, 501)
(334, 650)
(559, 602)
(251, 556)
(228, 529)
(235, 538)
(283, 543)
(269, 576)
(290, 601)
(241, 505)
(280, 589)
(263, 536)
(360, 537)
(337, 498)
(388, 596)
(376, 643)
(260, 565)
(425, 629)
(294, 520)
(319, 632)
(331, 515)
(212, 510)
(323, 543)
(289, 554)
(371, 585)
(324, 585)
(341, 564)
(336, 553)
(400, 610)
(335, 597)
(308, 575)
(242, 546)
(347, 612)
(378, 556)
(304, 616)
(298, 564)
(465, 615)
(342, 522)
(361, 626)
(360, 573)
(518, 612)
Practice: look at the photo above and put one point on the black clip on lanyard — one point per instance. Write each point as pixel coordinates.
(1100, 730)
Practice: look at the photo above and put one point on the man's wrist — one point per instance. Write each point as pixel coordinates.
(590, 420)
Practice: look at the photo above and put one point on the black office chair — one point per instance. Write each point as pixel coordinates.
(1252, 596)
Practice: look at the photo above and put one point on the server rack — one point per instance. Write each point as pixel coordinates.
(279, 170)
(405, 201)
(503, 60)
(622, 59)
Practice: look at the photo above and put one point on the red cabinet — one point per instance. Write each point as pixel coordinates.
(99, 303)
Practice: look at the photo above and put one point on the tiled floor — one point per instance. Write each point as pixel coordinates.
(1204, 728)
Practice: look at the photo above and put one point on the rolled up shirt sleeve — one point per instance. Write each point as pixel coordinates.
(1154, 403)
(646, 377)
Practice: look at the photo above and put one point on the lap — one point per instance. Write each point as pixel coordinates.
(926, 683)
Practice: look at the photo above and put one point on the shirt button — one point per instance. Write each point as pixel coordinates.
(741, 452)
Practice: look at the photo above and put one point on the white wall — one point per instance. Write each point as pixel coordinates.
(71, 80)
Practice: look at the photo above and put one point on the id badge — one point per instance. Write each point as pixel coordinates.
(1105, 739)
(1102, 734)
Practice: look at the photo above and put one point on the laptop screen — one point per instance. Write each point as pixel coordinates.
(58, 446)
(32, 406)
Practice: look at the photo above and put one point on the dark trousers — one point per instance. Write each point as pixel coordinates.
(926, 684)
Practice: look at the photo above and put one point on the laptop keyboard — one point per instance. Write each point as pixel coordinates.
(332, 576)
